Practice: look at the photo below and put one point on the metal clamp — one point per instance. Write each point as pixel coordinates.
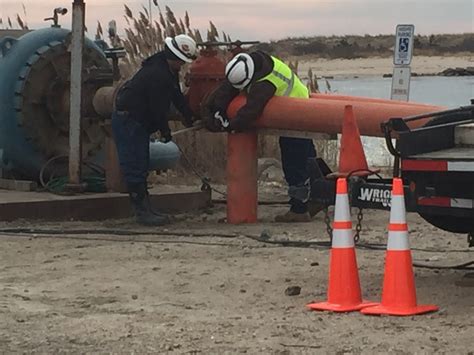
(6, 44)
(387, 131)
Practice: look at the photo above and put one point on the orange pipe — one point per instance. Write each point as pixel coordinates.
(319, 114)
(349, 100)
(326, 115)
(242, 195)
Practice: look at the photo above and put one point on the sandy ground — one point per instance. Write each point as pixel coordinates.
(380, 66)
(186, 294)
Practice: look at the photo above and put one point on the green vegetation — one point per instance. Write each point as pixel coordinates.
(350, 47)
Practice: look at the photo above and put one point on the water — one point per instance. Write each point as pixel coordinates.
(445, 91)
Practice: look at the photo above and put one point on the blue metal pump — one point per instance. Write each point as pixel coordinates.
(34, 103)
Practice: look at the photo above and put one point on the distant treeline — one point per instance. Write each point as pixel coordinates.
(368, 46)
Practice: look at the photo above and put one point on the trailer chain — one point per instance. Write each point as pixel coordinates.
(360, 217)
(327, 220)
(470, 239)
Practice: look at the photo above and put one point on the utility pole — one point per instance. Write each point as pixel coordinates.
(75, 129)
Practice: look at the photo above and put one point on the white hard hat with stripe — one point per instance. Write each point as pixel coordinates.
(240, 70)
(183, 47)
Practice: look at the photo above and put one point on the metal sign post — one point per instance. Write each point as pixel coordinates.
(401, 83)
(77, 43)
(401, 60)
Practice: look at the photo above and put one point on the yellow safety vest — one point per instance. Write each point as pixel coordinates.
(286, 82)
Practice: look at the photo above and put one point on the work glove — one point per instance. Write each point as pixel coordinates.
(166, 137)
(222, 121)
(188, 121)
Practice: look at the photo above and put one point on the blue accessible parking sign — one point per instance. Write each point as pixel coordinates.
(404, 44)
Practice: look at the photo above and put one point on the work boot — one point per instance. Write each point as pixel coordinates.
(142, 211)
(293, 217)
(314, 208)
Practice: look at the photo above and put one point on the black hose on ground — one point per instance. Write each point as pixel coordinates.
(264, 237)
(464, 266)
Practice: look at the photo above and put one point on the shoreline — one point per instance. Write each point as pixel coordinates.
(377, 66)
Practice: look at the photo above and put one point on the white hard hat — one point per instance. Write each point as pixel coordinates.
(240, 70)
(182, 46)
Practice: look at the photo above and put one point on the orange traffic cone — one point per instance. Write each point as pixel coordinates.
(344, 288)
(399, 294)
(351, 154)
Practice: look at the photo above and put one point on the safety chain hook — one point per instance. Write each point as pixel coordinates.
(327, 220)
(360, 217)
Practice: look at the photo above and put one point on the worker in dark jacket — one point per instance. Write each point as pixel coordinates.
(141, 108)
(263, 76)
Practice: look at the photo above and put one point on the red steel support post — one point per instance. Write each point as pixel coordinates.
(242, 191)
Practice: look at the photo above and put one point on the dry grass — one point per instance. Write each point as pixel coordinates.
(20, 19)
(353, 46)
(144, 37)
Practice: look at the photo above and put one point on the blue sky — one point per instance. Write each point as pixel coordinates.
(275, 19)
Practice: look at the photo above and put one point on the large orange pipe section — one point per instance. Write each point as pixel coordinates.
(350, 100)
(319, 114)
(326, 115)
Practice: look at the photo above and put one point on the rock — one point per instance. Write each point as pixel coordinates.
(265, 235)
(457, 71)
(273, 174)
(265, 163)
(269, 169)
(293, 291)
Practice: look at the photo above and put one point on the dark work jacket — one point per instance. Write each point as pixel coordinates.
(257, 97)
(148, 95)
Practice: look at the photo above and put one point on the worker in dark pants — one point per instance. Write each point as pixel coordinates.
(141, 108)
(261, 77)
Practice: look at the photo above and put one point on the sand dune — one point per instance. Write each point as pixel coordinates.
(380, 66)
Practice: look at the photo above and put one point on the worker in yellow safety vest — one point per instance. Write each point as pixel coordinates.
(261, 77)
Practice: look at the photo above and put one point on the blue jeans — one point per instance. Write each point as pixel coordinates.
(133, 147)
(295, 153)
